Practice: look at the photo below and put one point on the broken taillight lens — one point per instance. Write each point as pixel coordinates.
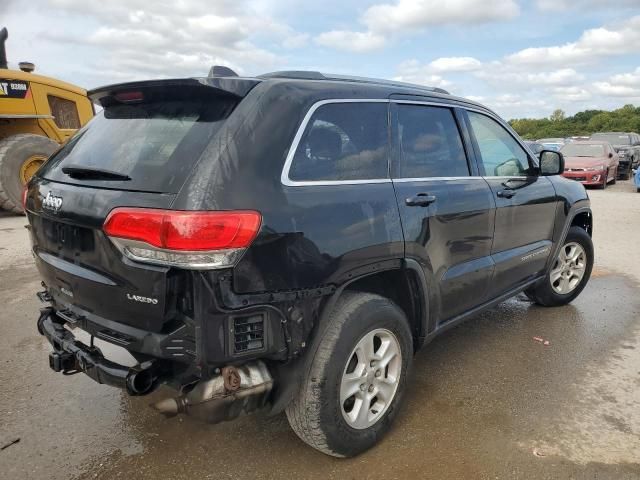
(190, 239)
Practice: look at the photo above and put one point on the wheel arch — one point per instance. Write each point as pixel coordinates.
(404, 286)
(578, 216)
(407, 274)
(584, 220)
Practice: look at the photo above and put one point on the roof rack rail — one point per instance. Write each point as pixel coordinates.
(312, 75)
(295, 74)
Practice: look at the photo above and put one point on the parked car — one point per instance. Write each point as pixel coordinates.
(627, 145)
(535, 147)
(636, 179)
(288, 242)
(552, 143)
(591, 163)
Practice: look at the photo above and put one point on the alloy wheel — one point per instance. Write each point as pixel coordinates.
(370, 379)
(569, 268)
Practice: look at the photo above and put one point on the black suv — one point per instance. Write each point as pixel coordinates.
(288, 242)
(627, 145)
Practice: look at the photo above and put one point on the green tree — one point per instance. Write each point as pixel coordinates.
(625, 119)
(557, 115)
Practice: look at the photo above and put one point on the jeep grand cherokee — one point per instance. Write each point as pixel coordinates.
(288, 242)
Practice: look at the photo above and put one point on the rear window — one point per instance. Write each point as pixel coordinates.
(154, 143)
(612, 138)
(343, 141)
(583, 150)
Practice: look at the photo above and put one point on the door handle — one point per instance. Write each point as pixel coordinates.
(506, 193)
(420, 200)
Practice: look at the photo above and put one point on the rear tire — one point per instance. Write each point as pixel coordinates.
(321, 412)
(14, 152)
(543, 293)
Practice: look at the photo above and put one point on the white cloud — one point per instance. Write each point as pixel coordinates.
(560, 5)
(387, 19)
(625, 85)
(622, 38)
(455, 64)
(573, 93)
(135, 39)
(416, 14)
(412, 71)
(510, 77)
(630, 79)
(476, 98)
(612, 90)
(357, 42)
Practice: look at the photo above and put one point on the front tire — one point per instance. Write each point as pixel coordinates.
(20, 156)
(356, 381)
(569, 274)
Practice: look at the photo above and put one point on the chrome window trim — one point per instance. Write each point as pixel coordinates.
(431, 179)
(284, 176)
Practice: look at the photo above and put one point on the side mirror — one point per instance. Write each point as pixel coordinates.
(551, 163)
(610, 155)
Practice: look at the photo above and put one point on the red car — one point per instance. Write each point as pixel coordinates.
(590, 162)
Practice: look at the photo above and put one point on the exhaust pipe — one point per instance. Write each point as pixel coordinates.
(4, 34)
(235, 391)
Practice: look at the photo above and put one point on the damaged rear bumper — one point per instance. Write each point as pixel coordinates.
(228, 394)
(71, 356)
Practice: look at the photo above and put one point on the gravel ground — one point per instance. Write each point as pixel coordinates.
(485, 400)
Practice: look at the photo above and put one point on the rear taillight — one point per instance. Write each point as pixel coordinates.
(189, 239)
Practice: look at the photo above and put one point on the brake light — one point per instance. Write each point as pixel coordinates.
(129, 97)
(191, 239)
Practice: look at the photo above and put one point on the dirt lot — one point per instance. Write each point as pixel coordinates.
(485, 400)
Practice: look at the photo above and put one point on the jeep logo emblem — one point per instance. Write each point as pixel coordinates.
(51, 202)
(141, 299)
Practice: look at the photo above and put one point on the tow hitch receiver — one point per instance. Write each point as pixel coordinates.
(71, 356)
(62, 362)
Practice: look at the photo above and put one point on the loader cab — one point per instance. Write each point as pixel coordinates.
(37, 114)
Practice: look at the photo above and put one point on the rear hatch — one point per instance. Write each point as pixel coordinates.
(136, 152)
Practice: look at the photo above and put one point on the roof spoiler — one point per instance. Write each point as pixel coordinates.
(229, 86)
(4, 34)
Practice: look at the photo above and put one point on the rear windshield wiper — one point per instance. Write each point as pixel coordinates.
(89, 173)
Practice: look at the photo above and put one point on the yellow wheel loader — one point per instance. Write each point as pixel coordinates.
(37, 114)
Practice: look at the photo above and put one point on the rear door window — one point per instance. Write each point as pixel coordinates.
(430, 143)
(342, 142)
(154, 143)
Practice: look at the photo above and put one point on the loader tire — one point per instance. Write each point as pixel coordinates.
(20, 156)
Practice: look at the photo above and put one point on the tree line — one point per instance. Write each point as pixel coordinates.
(625, 119)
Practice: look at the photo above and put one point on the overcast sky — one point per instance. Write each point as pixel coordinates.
(520, 58)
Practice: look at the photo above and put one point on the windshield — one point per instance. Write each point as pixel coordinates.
(155, 144)
(613, 139)
(583, 150)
